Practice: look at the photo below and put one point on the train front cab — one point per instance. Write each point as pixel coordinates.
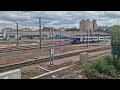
(75, 41)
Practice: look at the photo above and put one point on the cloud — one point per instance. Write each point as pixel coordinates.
(112, 14)
(56, 18)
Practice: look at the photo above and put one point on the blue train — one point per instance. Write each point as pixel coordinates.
(61, 37)
(84, 39)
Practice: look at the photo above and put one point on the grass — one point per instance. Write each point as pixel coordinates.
(106, 65)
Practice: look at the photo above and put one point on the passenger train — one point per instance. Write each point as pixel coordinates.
(84, 39)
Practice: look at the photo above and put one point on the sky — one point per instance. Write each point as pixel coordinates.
(57, 19)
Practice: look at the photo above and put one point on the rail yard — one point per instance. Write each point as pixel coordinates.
(59, 45)
(34, 62)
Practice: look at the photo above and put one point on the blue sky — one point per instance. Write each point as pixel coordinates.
(56, 18)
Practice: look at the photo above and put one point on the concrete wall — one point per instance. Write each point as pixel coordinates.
(14, 74)
(83, 58)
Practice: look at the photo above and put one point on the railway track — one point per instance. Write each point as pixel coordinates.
(20, 48)
(49, 73)
(46, 58)
(11, 49)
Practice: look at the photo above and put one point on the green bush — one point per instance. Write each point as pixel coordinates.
(111, 61)
(110, 70)
(99, 65)
(117, 64)
(106, 65)
(108, 58)
(90, 69)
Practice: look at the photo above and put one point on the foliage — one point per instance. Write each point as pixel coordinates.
(71, 29)
(114, 30)
(106, 65)
(115, 34)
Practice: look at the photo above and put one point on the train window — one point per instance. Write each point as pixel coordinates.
(85, 39)
(90, 38)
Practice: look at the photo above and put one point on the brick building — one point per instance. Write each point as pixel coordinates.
(88, 25)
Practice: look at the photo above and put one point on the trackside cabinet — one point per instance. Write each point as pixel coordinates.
(115, 44)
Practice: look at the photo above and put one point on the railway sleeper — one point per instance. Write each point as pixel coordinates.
(35, 61)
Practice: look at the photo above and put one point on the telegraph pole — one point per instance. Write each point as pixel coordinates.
(40, 33)
(87, 35)
(90, 32)
(87, 38)
(73, 33)
(51, 46)
(17, 35)
(60, 36)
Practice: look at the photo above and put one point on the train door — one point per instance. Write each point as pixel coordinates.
(104, 38)
(81, 40)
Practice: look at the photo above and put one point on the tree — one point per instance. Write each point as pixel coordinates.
(46, 28)
(114, 30)
(115, 40)
(115, 34)
(71, 29)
